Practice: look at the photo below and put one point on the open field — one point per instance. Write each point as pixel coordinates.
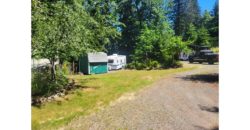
(94, 93)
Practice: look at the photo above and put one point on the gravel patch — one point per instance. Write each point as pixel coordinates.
(172, 103)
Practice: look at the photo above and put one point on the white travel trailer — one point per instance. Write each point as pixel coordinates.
(116, 62)
(183, 56)
(36, 63)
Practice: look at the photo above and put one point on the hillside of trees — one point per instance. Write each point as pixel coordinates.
(151, 33)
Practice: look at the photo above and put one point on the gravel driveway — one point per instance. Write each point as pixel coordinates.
(183, 101)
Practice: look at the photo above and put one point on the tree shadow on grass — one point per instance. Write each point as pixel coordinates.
(213, 109)
(210, 78)
(82, 84)
(84, 87)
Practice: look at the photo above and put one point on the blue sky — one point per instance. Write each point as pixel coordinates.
(206, 5)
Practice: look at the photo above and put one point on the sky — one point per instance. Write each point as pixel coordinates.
(206, 5)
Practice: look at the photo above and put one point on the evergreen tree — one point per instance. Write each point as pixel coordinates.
(203, 38)
(184, 13)
(214, 29)
(206, 19)
(191, 34)
(134, 14)
(156, 43)
(129, 12)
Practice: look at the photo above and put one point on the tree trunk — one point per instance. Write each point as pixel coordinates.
(73, 67)
(60, 64)
(53, 70)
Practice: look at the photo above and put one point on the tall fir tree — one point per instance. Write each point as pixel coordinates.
(184, 13)
(214, 30)
(135, 15)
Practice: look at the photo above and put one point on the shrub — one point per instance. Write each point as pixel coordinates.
(66, 68)
(136, 65)
(153, 65)
(42, 85)
(144, 65)
(130, 66)
(140, 66)
(177, 64)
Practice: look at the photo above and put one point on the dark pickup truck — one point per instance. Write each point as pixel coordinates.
(204, 56)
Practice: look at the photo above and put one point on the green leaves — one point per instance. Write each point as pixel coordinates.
(64, 29)
(191, 34)
(205, 33)
(203, 37)
(184, 13)
(158, 44)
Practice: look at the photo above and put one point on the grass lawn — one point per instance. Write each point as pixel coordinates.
(96, 91)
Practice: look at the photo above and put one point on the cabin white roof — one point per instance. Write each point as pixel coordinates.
(97, 57)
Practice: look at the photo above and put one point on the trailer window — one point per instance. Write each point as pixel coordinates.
(110, 61)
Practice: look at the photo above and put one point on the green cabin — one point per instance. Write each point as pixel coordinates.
(94, 63)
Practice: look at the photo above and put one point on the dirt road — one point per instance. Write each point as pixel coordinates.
(183, 101)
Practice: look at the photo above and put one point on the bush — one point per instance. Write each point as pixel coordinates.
(177, 64)
(66, 68)
(168, 63)
(130, 66)
(153, 65)
(42, 85)
(144, 65)
(140, 66)
(136, 65)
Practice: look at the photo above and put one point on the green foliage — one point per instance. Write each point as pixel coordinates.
(194, 28)
(60, 30)
(42, 85)
(206, 19)
(105, 14)
(157, 47)
(178, 64)
(214, 26)
(135, 15)
(204, 33)
(172, 50)
(154, 65)
(203, 37)
(65, 30)
(183, 13)
(191, 34)
(66, 68)
(144, 65)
